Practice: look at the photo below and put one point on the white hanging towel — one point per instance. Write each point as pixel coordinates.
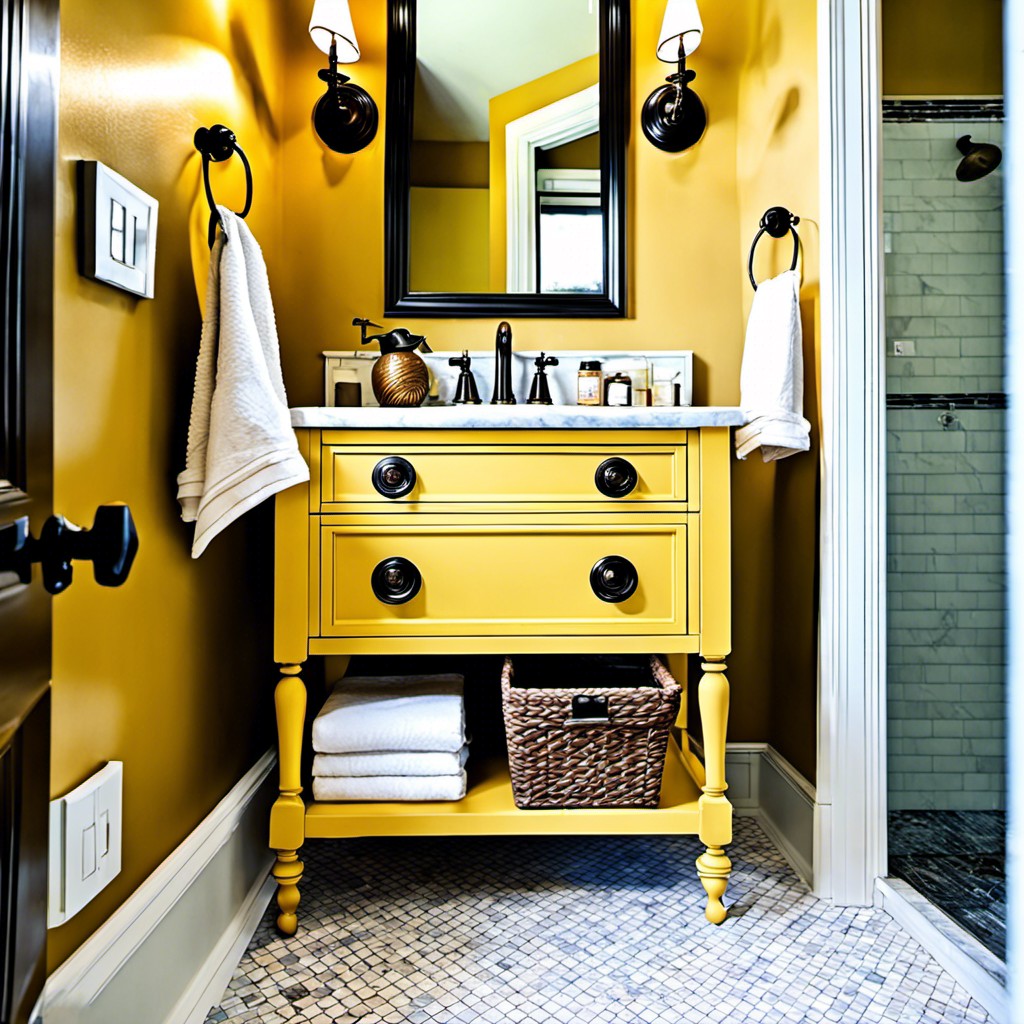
(394, 713)
(241, 446)
(401, 788)
(772, 374)
(389, 762)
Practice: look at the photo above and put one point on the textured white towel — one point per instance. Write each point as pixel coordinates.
(366, 714)
(392, 787)
(386, 762)
(241, 446)
(772, 374)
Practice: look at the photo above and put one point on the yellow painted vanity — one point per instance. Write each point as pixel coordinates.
(503, 527)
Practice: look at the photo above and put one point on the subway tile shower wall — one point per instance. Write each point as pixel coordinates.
(943, 261)
(946, 473)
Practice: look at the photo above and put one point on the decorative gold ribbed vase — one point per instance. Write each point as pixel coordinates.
(400, 379)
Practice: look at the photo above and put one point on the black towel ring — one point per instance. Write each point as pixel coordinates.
(776, 221)
(217, 144)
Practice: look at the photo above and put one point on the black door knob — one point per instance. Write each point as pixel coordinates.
(110, 545)
(395, 581)
(615, 478)
(614, 579)
(394, 477)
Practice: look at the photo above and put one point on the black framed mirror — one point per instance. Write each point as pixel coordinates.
(505, 158)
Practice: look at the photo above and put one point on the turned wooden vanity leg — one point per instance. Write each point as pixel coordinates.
(713, 866)
(287, 818)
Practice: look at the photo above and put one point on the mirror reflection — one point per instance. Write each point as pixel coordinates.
(505, 184)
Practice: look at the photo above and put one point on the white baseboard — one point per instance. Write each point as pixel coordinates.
(764, 785)
(183, 929)
(208, 987)
(977, 969)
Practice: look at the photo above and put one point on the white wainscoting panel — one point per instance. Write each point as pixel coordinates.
(764, 785)
(166, 954)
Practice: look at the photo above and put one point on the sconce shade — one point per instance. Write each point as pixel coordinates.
(681, 19)
(333, 20)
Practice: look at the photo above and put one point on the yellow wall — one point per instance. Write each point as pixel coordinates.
(506, 107)
(448, 249)
(691, 221)
(171, 673)
(450, 164)
(777, 165)
(942, 47)
(585, 152)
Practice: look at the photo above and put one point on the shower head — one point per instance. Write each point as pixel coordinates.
(980, 158)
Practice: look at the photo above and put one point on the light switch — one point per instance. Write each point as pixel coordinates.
(88, 851)
(104, 833)
(85, 842)
(118, 225)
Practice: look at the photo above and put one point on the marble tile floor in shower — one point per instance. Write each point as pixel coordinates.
(559, 930)
(957, 860)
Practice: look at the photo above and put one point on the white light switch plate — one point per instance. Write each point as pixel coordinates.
(117, 234)
(85, 842)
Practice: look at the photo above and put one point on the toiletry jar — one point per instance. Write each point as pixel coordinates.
(588, 746)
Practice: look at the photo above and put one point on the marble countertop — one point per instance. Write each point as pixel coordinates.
(518, 417)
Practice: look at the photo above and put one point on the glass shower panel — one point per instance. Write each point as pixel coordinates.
(946, 528)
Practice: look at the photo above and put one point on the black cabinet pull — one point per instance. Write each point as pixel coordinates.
(394, 477)
(395, 581)
(615, 478)
(614, 579)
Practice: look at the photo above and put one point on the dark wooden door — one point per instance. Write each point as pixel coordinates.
(28, 124)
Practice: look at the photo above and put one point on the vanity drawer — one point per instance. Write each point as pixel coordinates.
(541, 474)
(495, 575)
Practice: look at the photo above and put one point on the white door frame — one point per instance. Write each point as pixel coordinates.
(565, 120)
(850, 821)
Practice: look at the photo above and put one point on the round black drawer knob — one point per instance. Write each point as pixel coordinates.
(395, 581)
(615, 478)
(614, 579)
(394, 477)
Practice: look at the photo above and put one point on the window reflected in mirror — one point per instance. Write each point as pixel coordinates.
(505, 170)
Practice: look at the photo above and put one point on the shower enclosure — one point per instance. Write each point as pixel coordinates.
(946, 527)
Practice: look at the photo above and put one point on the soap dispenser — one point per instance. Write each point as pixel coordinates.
(399, 377)
(540, 393)
(465, 390)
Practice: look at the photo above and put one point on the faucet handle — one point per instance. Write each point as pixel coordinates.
(542, 360)
(462, 362)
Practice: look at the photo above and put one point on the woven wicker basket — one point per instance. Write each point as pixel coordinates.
(558, 761)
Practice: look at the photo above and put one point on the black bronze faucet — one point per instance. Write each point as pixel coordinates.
(503, 366)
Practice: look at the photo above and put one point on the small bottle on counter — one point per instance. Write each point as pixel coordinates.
(666, 388)
(640, 377)
(588, 383)
(618, 390)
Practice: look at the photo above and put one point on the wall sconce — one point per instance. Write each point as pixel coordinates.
(673, 117)
(345, 117)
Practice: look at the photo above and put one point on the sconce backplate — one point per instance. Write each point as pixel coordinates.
(668, 135)
(345, 118)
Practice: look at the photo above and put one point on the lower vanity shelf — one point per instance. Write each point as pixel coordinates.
(488, 809)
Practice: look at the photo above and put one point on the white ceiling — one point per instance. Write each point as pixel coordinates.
(471, 50)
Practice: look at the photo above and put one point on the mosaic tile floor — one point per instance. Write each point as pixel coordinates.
(559, 930)
(957, 859)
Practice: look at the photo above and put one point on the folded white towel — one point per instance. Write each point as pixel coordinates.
(772, 374)
(387, 762)
(241, 446)
(394, 713)
(401, 788)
